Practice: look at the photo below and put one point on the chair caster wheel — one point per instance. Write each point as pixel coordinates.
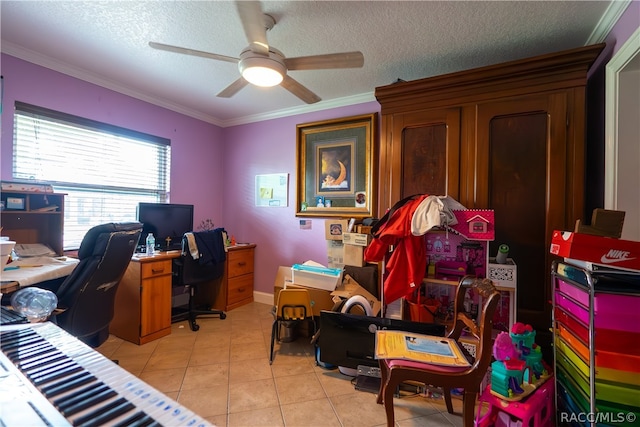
(223, 316)
(195, 327)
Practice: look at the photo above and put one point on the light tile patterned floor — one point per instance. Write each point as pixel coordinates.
(222, 372)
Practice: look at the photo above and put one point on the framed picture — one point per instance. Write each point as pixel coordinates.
(336, 167)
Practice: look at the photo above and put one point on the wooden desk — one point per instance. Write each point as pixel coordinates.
(143, 301)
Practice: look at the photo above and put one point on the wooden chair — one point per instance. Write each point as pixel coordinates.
(395, 371)
(293, 304)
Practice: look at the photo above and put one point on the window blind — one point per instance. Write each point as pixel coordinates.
(105, 170)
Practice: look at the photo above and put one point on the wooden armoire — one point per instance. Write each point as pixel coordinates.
(508, 137)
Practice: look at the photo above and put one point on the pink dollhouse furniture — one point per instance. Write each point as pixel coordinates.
(536, 410)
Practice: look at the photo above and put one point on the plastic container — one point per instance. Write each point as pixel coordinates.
(150, 243)
(6, 246)
(35, 303)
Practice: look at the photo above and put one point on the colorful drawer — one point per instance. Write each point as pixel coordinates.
(579, 329)
(617, 312)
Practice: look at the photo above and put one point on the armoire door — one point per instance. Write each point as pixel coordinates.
(523, 171)
(424, 154)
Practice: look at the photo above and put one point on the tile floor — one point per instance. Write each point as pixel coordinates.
(222, 373)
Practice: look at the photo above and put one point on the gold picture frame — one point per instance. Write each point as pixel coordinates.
(337, 167)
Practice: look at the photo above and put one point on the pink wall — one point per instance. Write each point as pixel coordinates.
(265, 148)
(197, 162)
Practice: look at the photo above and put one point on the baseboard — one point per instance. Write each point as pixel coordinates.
(263, 297)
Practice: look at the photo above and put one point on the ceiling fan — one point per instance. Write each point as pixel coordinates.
(263, 65)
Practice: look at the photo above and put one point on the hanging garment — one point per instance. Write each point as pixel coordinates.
(407, 264)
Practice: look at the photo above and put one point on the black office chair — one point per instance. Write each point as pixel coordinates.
(86, 297)
(204, 271)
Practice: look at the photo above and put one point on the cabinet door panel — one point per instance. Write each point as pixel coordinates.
(155, 304)
(423, 171)
(520, 173)
(424, 153)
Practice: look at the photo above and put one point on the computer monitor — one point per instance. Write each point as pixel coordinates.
(167, 221)
(348, 340)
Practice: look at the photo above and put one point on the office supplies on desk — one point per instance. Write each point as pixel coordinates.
(16, 267)
(25, 250)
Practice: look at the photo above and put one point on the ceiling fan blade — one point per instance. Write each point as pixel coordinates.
(252, 19)
(192, 52)
(233, 88)
(298, 90)
(331, 60)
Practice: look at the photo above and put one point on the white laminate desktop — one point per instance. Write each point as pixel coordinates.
(34, 270)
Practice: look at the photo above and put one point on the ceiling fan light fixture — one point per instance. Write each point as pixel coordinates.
(264, 71)
(262, 76)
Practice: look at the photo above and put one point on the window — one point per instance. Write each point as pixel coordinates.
(104, 170)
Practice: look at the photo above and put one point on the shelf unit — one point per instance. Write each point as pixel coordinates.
(596, 344)
(438, 288)
(39, 219)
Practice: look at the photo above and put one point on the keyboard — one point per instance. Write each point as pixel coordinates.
(11, 317)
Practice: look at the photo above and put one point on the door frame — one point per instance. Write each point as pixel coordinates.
(625, 60)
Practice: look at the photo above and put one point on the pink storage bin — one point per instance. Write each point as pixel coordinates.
(617, 312)
(571, 291)
(573, 308)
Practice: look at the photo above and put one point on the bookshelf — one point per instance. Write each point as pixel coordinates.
(33, 217)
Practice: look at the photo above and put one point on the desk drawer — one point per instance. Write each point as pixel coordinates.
(240, 288)
(240, 262)
(155, 268)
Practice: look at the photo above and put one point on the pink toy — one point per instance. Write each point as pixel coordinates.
(504, 349)
(536, 410)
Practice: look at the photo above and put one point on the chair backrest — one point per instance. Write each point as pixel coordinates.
(87, 295)
(211, 262)
(481, 329)
(293, 304)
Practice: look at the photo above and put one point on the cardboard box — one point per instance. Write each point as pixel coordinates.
(335, 254)
(316, 277)
(357, 239)
(350, 288)
(354, 255)
(335, 228)
(363, 229)
(320, 299)
(607, 251)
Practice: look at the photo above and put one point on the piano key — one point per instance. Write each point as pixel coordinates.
(87, 402)
(69, 384)
(43, 377)
(138, 419)
(106, 413)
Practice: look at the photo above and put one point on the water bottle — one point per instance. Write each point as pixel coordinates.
(35, 303)
(151, 244)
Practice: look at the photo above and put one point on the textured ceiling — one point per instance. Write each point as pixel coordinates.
(106, 42)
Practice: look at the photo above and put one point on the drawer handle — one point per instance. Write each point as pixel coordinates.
(241, 289)
(154, 271)
(242, 263)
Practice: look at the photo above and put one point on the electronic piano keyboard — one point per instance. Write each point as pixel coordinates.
(50, 378)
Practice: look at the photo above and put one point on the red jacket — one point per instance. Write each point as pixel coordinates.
(407, 264)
